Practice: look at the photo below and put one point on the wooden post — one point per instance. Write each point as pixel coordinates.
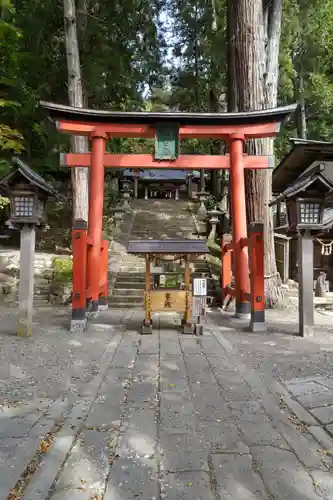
(78, 321)
(305, 288)
(256, 248)
(147, 322)
(95, 217)
(103, 298)
(187, 327)
(226, 266)
(26, 286)
(239, 229)
(286, 258)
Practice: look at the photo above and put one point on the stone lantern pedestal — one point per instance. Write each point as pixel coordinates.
(118, 214)
(214, 217)
(202, 211)
(126, 197)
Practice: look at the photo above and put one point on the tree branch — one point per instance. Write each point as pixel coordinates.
(82, 11)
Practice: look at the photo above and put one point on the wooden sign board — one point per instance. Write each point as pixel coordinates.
(168, 300)
(166, 141)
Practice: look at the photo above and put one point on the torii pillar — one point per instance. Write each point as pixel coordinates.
(239, 226)
(95, 217)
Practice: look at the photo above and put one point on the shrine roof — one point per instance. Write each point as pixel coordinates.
(171, 247)
(21, 168)
(152, 175)
(63, 112)
(312, 176)
(303, 155)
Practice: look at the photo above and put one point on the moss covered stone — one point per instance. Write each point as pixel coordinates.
(62, 269)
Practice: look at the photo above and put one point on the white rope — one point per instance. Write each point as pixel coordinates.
(326, 248)
(267, 276)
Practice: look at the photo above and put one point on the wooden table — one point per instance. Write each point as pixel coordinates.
(168, 299)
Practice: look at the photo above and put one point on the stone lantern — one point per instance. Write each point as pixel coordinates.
(305, 202)
(214, 218)
(202, 196)
(126, 195)
(28, 193)
(305, 213)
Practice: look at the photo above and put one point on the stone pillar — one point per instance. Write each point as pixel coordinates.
(189, 188)
(177, 193)
(202, 180)
(136, 186)
(26, 286)
(146, 193)
(305, 289)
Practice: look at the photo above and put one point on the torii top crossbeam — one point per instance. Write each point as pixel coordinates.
(253, 124)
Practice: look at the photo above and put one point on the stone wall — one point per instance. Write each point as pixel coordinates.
(9, 275)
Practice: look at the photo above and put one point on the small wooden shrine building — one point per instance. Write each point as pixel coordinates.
(167, 183)
(304, 156)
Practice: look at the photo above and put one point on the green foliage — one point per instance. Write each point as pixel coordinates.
(62, 270)
(173, 281)
(133, 60)
(211, 203)
(3, 202)
(306, 66)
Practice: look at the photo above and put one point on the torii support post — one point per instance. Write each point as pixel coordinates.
(95, 221)
(78, 321)
(256, 248)
(239, 229)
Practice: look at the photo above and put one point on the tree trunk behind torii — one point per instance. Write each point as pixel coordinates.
(254, 40)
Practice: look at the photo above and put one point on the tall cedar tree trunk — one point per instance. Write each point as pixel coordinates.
(301, 111)
(79, 144)
(254, 39)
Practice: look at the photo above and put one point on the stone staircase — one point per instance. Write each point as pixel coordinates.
(156, 219)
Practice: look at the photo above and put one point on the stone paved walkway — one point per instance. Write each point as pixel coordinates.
(112, 415)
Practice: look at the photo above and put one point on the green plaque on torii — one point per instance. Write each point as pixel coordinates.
(166, 141)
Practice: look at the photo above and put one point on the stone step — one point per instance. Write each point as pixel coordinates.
(132, 269)
(127, 299)
(116, 305)
(130, 278)
(125, 285)
(130, 292)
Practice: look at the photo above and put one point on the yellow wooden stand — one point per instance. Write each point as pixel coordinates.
(168, 299)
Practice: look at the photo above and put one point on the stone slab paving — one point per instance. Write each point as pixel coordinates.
(165, 416)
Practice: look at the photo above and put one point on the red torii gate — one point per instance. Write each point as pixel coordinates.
(100, 125)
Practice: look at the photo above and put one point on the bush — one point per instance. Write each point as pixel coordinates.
(173, 281)
(62, 270)
(3, 202)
